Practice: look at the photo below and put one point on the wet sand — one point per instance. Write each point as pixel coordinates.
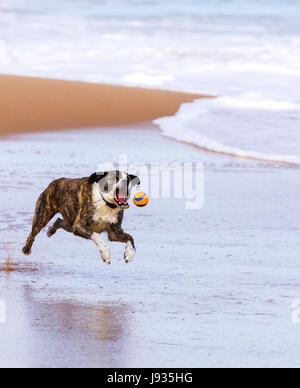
(34, 104)
(212, 287)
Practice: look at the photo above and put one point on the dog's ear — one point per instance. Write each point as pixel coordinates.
(134, 179)
(97, 176)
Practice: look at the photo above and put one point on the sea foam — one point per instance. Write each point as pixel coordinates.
(246, 51)
(243, 127)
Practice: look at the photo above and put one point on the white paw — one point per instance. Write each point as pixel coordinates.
(105, 254)
(129, 252)
(104, 250)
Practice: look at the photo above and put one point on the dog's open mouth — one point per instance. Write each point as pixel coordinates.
(121, 199)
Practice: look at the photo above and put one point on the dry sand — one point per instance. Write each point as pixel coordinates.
(34, 104)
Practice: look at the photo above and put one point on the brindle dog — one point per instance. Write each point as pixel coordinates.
(89, 207)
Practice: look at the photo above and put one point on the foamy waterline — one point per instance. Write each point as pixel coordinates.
(210, 145)
(193, 119)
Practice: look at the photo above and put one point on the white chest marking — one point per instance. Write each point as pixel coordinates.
(103, 212)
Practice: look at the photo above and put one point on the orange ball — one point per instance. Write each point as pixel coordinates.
(141, 199)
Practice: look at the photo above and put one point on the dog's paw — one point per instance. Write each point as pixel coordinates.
(26, 251)
(129, 252)
(105, 254)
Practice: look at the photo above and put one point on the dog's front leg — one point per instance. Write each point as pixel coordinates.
(116, 233)
(83, 231)
(129, 251)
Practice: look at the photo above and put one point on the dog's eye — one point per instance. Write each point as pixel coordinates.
(106, 187)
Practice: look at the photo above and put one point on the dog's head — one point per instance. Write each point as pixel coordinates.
(115, 186)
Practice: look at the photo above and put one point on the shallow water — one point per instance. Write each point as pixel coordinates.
(212, 287)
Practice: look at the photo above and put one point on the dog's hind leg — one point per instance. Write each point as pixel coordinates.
(44, 212)
(58, 224)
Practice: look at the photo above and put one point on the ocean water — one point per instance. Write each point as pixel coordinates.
(246, 52)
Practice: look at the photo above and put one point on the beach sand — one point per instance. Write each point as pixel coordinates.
(209, 287)
(34, 104)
